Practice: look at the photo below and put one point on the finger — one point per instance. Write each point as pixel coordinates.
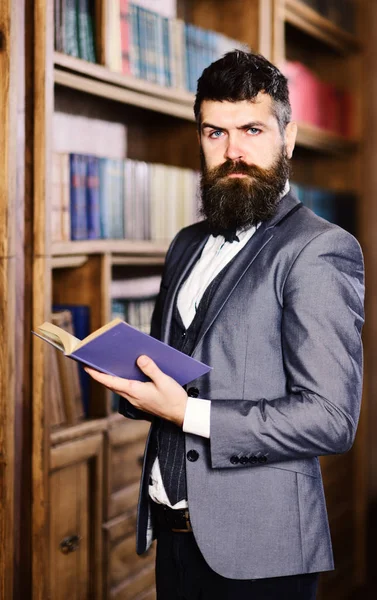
(110, 381)
(149, 367)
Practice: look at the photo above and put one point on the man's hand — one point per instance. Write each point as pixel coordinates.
(162, 396)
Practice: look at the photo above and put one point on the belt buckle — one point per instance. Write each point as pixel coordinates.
(188, 524)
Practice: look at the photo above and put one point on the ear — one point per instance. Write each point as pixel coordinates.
(290, 138)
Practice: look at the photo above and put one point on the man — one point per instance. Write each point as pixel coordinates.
(270, 296)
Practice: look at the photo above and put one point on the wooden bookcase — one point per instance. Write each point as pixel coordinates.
(83, 478)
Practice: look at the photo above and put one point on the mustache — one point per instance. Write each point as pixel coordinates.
(230, 167)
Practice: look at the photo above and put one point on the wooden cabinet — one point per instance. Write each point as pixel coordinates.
(75, 518)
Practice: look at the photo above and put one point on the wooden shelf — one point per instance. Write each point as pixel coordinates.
(314, 138)
(311, 22)
(127, 248)
(74, 432)
(97, 80)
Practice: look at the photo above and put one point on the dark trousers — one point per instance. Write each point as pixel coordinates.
(183, 574)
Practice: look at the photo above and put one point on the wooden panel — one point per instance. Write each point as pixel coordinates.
(123, 563)
(124, 451)
(76, 492)
(300, 15)
(70, 498)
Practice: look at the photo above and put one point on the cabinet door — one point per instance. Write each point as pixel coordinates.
(124, 457)
(75, 520)
(129, 576)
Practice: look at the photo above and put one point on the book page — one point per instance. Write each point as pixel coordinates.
(58, 337)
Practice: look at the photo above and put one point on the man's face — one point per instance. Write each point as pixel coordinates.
(244, 161)
(244, 130)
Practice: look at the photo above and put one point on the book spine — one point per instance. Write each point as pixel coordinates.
(66, 209)
(79, 229)
(104, 196)
(56, 199)
(82, 9)
(125, 35)
(58, 26)
(92, 198)
(71, 43)
(134, 40)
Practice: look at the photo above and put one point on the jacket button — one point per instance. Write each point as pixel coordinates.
(234, 460)
(253, 459)
(193, 392)
(192, 455)
(244, 460)
(262, 459)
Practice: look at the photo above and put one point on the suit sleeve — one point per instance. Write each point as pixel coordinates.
(125, 407)
(322, 318)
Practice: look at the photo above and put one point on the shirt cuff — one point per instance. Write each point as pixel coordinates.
(197, 417)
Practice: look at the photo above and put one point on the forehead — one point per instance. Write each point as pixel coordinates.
(226, 114)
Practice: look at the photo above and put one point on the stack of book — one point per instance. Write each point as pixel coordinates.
(103, 198)
(74, 28)
(317, 102)
(336, 207)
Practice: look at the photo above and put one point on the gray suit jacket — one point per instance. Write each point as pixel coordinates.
(283, 334)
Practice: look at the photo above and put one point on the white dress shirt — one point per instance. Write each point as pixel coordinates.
(216, 254)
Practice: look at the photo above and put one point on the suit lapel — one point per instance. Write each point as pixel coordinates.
(244, 260)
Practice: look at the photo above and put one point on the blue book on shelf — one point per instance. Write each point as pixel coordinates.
(81, 326)
(104, 196)
(134, 40)
(92, 198)
(79, 228)
(166, 51)
(323, 204)
(115, 347)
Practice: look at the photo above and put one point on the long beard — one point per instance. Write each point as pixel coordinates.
(232, 203)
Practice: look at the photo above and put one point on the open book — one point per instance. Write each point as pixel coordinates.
(115, 347)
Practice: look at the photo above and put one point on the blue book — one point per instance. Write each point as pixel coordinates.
(115, 347)
(134, 40)
(79, 227)
(166, 51)
(92, 198)
(105, 196)
(81, 327)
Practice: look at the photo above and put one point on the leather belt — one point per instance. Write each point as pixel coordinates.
(170, 519)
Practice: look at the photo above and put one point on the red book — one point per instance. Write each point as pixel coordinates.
(124, 35)
(303, 92)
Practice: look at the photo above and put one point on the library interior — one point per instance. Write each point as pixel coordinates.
(96, 103)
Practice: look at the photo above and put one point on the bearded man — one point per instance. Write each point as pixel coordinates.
(271, 296)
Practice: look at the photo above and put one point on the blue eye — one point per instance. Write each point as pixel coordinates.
(215, 134)
(254, 130)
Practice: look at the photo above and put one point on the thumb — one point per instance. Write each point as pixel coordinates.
(149, 367)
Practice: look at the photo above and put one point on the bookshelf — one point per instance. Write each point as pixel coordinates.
(96, 462)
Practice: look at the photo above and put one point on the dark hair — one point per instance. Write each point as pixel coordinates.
(240, 76)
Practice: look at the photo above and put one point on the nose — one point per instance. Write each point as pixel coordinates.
(233, 150)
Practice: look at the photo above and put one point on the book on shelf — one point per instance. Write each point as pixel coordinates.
(68, 372)
(115, 347)
(111, 198)
(336, 207)
(79, 327)
(55, 398)
(74, 23)
(317, 102)
(135, 287)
